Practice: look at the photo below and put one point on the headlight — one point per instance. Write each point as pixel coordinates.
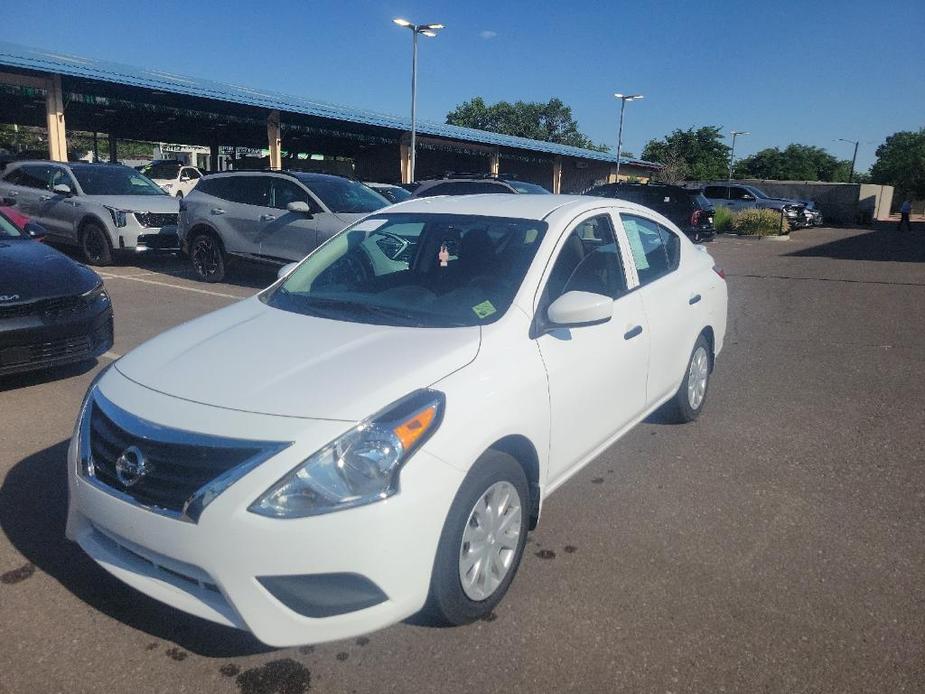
(359, 467)
(118, 216)
(98, 292)
(167, 186)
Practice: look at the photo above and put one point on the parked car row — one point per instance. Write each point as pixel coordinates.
(741, 197)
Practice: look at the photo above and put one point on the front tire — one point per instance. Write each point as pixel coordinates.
(95, 245)
(692, 394)
(207, 257)
(482, 542)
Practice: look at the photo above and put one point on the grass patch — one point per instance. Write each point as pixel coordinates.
(758, 223)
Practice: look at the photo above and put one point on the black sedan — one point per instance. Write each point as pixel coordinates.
(53, 310)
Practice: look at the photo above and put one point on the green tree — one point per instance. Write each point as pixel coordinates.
(901, 163)
(550, 122)
(795, 163)
(697, 154)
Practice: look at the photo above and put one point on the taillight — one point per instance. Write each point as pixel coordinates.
(719, 271)
(695, 217)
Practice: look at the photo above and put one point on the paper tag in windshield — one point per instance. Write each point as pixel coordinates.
(369, 224)
(484, 309)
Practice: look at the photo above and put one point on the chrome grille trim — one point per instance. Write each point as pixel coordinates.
(144, 432)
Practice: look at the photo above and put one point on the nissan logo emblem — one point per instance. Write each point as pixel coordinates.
(131, 466)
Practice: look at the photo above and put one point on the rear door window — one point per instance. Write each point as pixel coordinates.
(715, 192)
(247, 190)
(650, 255)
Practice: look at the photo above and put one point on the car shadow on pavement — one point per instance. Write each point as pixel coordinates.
(57, 373)
(885, 243)
(33, 512)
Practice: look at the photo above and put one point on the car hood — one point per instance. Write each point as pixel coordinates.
(30, 270)
(255, 358)
(160, 204)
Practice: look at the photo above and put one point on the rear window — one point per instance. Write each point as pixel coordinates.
(162, 170)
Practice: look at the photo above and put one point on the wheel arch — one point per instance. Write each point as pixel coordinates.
(204, 228)
(92, 218)
(710, 336)
(521, 449)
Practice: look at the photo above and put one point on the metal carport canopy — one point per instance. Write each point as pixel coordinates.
(54, 62)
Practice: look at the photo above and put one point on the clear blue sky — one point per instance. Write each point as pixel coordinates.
(805, 72)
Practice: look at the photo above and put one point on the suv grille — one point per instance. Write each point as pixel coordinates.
(175, 470)
(155, 219)
(58, 307)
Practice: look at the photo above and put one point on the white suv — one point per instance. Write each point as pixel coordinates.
(175, 178)
(101, 208)
(376, 432)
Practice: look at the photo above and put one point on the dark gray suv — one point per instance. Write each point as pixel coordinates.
(274, 217)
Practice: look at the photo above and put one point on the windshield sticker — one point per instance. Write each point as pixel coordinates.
(369, 224)
(639, 253)
(484, 309)
(444, 257)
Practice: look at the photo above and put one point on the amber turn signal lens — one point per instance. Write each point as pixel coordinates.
(413, 428)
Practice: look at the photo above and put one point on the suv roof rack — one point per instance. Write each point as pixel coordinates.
(480, 175)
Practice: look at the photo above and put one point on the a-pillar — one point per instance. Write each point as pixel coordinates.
(276, 142)
(113, 154)
(557, 175)
(54, 111)
(494, 164)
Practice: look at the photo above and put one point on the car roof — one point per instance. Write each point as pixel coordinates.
(524, 206)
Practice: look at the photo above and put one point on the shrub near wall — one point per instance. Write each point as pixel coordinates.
(758, 223)
(722, 219)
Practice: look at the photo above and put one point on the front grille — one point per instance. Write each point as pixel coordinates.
(174, 470)
(66, 348)
(156, 219)
(58, 307)
(160, 242)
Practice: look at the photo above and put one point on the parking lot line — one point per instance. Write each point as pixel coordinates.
(107, 276)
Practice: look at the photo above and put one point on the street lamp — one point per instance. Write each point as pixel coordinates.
(732, 156)
(623, 99)
(430, 31)
(854, 158)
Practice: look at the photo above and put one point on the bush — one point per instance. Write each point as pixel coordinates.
(722, 219)
(758, 223)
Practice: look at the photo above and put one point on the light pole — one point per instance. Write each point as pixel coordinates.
(623, 99)
(854, 158)
(732, 157)
(429, 30)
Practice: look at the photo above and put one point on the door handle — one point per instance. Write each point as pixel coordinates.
(694, 299)
(217, 210)
(267, 217)
(632, 332)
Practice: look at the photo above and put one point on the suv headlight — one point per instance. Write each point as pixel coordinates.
(118, 216)
(361, 466)
(98, 292)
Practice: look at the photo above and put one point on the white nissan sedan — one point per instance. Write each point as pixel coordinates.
(376, 432)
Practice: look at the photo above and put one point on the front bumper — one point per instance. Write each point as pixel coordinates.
(34, 343)
(137, 237)
(213, 568)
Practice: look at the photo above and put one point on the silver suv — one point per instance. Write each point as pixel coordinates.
(102, 208)
(741, 197)
(271, 216)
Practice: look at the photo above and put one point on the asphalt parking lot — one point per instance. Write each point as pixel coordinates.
(777, 544)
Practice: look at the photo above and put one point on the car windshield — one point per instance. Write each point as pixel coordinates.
(162, 170)
(9, 230)
(392, 193)
(419, 270)
(524, 187)
(344, 195)
(114, 180)
(757, 193)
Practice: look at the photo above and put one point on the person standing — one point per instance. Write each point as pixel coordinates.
(904, 211)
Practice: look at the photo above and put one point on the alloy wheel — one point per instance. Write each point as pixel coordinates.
(697, 378)
(205, 256)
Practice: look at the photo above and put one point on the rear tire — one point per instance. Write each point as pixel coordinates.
(482, 542)
(95, 245)
(692, 394)
(207, 257)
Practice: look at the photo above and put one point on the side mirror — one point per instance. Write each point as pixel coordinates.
(35, 230)
(575, 308)
(184, 178)
(62, 189)
(286, 269)
(300, 207)
(747, 196)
